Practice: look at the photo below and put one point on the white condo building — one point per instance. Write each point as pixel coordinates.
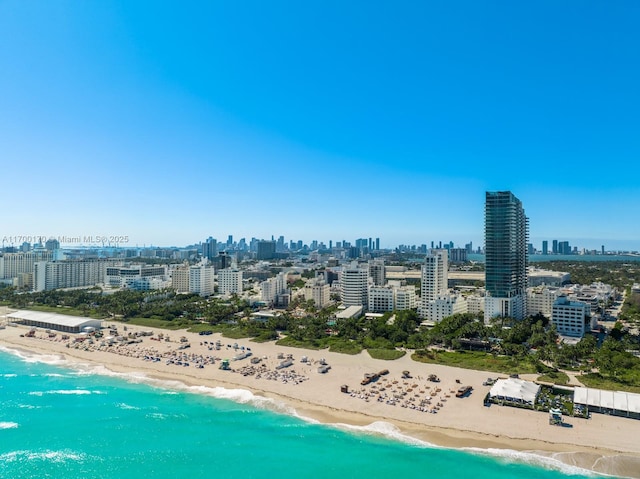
(475, 304)
(380, 299)
(404, 297)
(230, 281)
(48, 275)
(353, 283)
(271, 288)
(318, 291)
(434, 278)
(180, 279)
(201, 280)
(13, 264)
(540, 300)
(446, 305)
(570, 317)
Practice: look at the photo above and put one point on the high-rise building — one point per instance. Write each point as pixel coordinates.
(545, 247)
(377, 272)
(506, 238)
(434, 278)
(230, 281)
(210, 248)
(201, 280)
(353, 282)
(554, 247)
(266, 250)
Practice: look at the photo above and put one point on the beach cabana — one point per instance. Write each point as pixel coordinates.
(515, 390)
(618, 403)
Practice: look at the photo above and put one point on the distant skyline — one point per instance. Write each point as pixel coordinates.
(328, 121)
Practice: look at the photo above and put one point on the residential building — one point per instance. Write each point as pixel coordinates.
(506, 260)
(434, 278)
(475, 304)
(540, 300)
(446, 305)
(12, 264)
(377, 272)
(48, 275)
(571, 318)
(318, 291)
(353, 282)
(230, 281)
(201, 280)
(380, 299)
(123, 276)
(271, 288)
(404, 297)
(210, 249)
(180, 279)
(266, 250)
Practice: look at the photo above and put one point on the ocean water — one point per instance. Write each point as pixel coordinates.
(64, 421)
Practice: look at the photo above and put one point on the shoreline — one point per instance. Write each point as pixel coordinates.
(602, 444)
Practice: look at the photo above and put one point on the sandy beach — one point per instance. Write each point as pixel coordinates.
(419, 408)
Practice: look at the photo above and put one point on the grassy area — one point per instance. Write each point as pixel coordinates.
(387, 354)
(344, 346)
(477, 360)
(595, 380)
(295, 343)
(555, 377)
(154, 323)
(228, 331)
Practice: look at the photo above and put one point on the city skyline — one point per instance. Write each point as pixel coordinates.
(329, 123)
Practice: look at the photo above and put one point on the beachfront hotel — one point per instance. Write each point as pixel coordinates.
(506, 237)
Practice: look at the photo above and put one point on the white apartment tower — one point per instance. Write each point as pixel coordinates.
(180, 279)
(229, 281)
(434, 278)
(353, 283)
(201, 280)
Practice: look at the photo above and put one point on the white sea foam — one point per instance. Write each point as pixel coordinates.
(28, 406)
(384, 429)
(8, 425)
(122, 405)
(78, 392)
(157, 415)
(49, 456)
(29, 357)
(529, 457)
(9, 375)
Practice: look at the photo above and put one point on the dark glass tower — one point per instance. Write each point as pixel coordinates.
(506, 238)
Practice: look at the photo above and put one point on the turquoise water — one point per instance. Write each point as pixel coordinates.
(81, 422)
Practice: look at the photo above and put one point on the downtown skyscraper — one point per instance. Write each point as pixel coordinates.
(506, 234)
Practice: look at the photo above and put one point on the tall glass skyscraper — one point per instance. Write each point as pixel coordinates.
(506, 233)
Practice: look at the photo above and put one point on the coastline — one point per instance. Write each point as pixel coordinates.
(460, 423)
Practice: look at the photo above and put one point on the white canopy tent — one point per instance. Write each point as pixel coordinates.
(613, 402)
(515, 390)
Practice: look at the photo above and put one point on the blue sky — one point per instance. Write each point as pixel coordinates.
(173, 121)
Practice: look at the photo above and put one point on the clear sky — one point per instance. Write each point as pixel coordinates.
(173, 121)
